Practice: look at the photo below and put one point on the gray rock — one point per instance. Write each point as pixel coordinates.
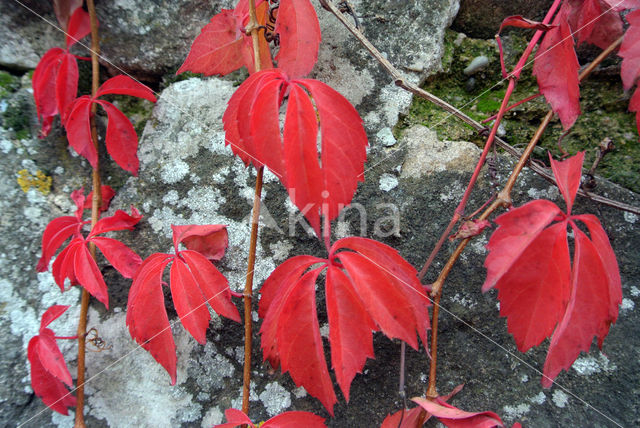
(477, 64)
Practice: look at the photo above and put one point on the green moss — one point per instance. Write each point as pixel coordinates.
(8, 84)
(604, 110)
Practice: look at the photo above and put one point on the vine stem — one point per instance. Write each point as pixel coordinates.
(503, 200)
(95, 215)
(252, 28)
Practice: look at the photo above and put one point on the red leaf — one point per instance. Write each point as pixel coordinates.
(210, 240)
(629, 51)
(370, 287)
(540, 292)
(223, 47)
(189, 301)
(556, 69)
(88, 274)
(293, 419)
(593, 21)
(52, 314)
(453, 417)
(146, 315)
(534, 296)
(44, 87)
(344, 143)
(66, 84)
(350, 329)
(119, 221)
(121, 257)
(235, 418)
(51, 358)
(518, 228)
(125, 85)
(79, 130)
(45, 385)
(194, 281)
(274, 292)
(299, 342)
(568, 174)
(212, 283)
(79, 26)
(57, 231)
(388, 286)
(63, 10)
(106, 192)
(588, 312)
(121, 139)
(409, 418)
(521, 22)
(304, 178)
(318, 183)
(299, 29)
(63, 265)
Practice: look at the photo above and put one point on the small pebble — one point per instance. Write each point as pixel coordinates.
(477, 64)
(471, 84)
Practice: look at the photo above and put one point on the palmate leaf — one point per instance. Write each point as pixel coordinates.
(452, 417)
(542, 292)
(319, 183)
(121, 139)
(293, 419)
(49, 372)
(194, 282)
(369, 287)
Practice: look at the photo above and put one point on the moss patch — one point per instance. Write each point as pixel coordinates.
(603, 104)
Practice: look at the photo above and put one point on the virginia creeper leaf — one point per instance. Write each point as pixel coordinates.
(594, 21)
(542, 292)
(453, 417)
(223, 46)
(369, 287)
(293, 419)
(57, 231)
(194, 282)
(210, 240)
(299, 30)
(79, 26)
(300, 344)
(106, 192)
(521, 22)
(319, 183)
(146, 315)
(88, 273)
(409, 419)
(121, 139)
(556, 69)
(63, 10)
(630, 68)
(121, 257)
(49, 371)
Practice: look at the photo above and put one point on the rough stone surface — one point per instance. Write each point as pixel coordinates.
(187, 175)
(482, 18)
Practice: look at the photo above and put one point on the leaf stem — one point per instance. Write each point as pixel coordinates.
(253, 28)
(95, 215)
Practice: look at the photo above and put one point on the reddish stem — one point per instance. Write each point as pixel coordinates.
(253, 28)
(95, 215)
(459, 211)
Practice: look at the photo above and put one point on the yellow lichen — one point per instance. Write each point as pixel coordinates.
(41, 182)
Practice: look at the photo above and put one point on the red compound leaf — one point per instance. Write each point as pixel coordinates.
(541, 291)
(210, 240)
(121, 139)
(369, 287)
(453, 417)
(194, 283)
